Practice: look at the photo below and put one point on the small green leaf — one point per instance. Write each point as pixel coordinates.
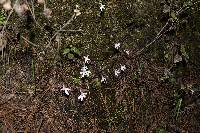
(70, 56)
(142, 66)
(77, 80)
(184, 53)
(75, 50)
(98, 83)
(173, 15)
(178, 107)
(160, 130)
(172, 80)
(66, 51)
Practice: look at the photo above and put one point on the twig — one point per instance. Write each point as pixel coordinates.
(8, 125)
(7, 99)
(38, 129)
(28, 41)
(157, 37)
(33, 12)
(72, 30)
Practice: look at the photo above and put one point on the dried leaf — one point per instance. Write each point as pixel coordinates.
(3, 42)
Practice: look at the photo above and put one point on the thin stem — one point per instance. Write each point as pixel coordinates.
(28, 41)
(157, 37)
(67, 23)
(33, 12)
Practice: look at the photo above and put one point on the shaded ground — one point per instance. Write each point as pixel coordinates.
(158, 92)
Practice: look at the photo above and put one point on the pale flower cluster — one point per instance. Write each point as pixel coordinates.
(67, 90)
(118, 71)
(84, 70)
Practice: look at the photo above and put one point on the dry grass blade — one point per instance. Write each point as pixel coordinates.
(28, 41)
(3, 42)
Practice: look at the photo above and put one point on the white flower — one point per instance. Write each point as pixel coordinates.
(84, 72)
(66, 90)
(83, 95)
(102, 7)
(103, 79)
(86, 58)
(117, 45)
(127, 52)
(84, 68)
(123, 67)
(117, 72)
(77, 11)
(192, 91)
